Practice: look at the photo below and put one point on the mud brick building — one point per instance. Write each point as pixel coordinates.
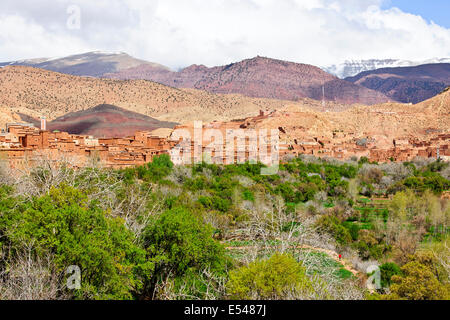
(22, 144)
(227, 143)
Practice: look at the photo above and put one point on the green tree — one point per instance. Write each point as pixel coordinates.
(279, 277)
(154, 171)
(417, 282)
(333, 226)
(182, 246)
(76, 232)
(388, 270)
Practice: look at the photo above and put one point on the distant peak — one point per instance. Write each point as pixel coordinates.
(109, 53)
(195, 67)
(261, 58)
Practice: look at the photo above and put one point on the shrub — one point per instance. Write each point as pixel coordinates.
(417, 282)
(363, 160)
(353, 229)
(368, 246)
(279, 277)
(77, 232)
(154, 171)
(180, 245)
(333, 226)
(388, 270)
(286, 191)
(248, 195)
(430, 181)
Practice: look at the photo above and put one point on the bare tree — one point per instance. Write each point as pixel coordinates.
(213, 284)
(30, 277)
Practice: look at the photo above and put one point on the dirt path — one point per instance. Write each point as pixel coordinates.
(332, 254)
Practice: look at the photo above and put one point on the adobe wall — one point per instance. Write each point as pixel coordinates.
(23, 144)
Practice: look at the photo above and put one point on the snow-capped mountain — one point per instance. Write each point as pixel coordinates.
(351, 68)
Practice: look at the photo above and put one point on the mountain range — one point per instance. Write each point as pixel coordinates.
(351, 68)
(92, 64)
(381, 123)
(106, 107)
(37, 92)
(407, 84)
(260, 77)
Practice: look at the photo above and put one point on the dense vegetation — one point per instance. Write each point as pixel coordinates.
(226, 232)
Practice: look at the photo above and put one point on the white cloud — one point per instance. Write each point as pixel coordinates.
(214, 32)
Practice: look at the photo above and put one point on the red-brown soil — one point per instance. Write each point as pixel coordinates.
(261, 77)
(37, 92)
(407, 84)
(107, 121)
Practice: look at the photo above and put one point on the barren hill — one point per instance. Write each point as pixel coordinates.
(7, 116)
(381, 123)
(94, 64)
(261, 77)
(37, 92)
(407, 84)
(107, 121)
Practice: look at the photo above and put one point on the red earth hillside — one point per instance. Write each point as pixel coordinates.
(107, 121)
(263, 78)
(407, 84)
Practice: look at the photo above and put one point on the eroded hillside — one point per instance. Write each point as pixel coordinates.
(37, 92)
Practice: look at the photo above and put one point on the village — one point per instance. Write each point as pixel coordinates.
(400, 150)
(21, 144)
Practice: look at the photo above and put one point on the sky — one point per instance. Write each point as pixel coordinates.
(178, 33)
(437, 11)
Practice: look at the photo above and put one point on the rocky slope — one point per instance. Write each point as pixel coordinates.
(7, 116)
(36, 92)
(261, 77)
(383, 122)
(407, 84)
(258, 77)
(384, 133)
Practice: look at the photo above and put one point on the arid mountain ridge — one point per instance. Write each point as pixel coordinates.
(382, 123)
(351, 68)
(263, 78)
(37, 92)
(382, 133)
(269, 78)
(90, 64)
(407, 84)
(258, 77)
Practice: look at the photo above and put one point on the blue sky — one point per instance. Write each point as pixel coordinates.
(431, 10)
